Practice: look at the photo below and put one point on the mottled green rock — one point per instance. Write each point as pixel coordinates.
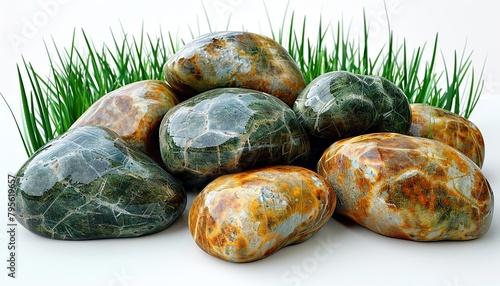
(341, 104)
(89, 184)
(229, 130)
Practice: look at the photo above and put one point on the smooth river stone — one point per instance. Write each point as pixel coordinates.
(450, 128)
(341, 104)
(134, 112)
(234, 59)
(408, 187)
(250, 215)
(90, 184)
(229, 130)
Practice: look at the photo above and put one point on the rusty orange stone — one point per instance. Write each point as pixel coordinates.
(234, 59)
(448, 127)
(134, 112)
(408, 187)
(250, 215)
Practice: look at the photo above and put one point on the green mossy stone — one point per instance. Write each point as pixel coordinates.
(341, 104)
(228, 130)
(89, 184)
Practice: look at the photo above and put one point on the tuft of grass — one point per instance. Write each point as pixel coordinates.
(78, 77)
(455, 88)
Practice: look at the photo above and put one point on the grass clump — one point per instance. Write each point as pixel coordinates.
(79, 77)
(455, 88)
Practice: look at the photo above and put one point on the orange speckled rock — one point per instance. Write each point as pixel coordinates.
(450, 128)
(408, 187)
(234, 59)
(250, 215)
(134, 112)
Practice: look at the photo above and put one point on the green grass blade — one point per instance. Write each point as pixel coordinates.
(26, 145)
(79, 76)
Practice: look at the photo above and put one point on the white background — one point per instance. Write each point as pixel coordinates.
(341, 253)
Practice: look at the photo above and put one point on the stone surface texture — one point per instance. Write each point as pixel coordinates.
(229, 130)
(234, 59)
(408, 187)
(248, 216)
(134, 112)
(341, 104)
(89, 184)
(450, 128)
